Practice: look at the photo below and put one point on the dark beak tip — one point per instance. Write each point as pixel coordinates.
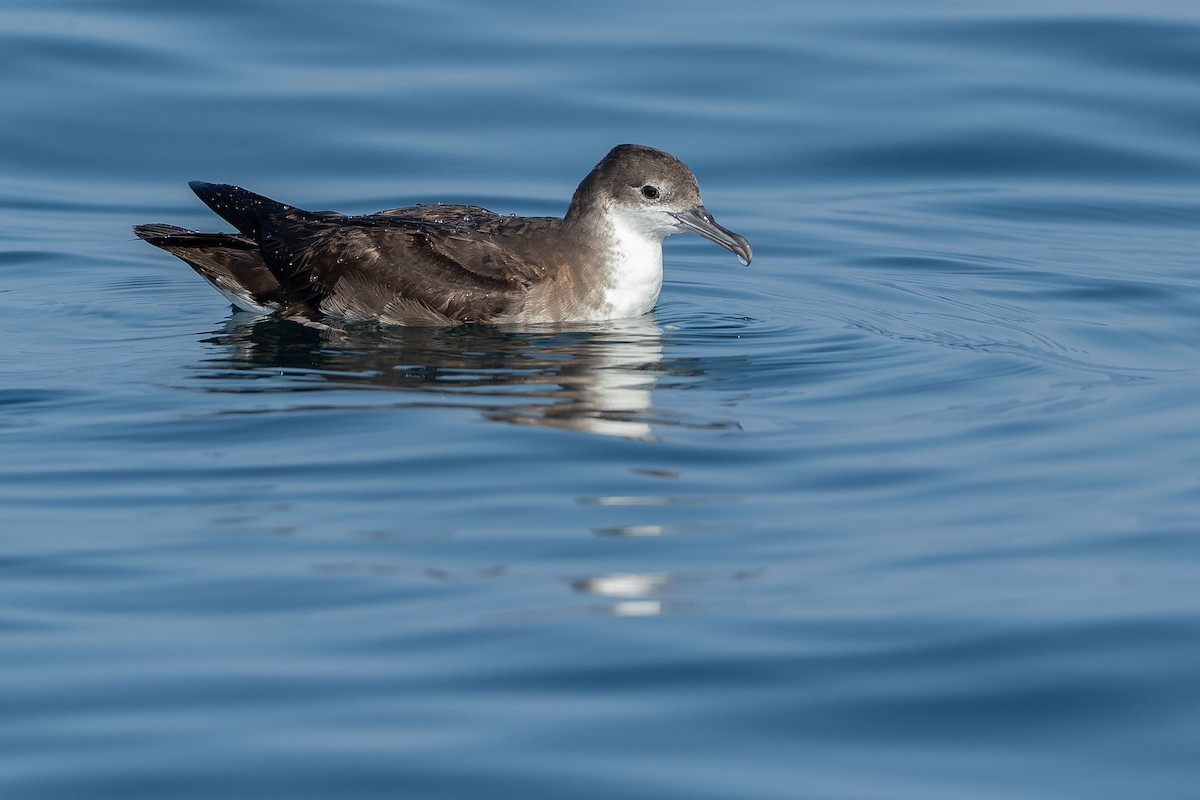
(700, 221)
(742, 249)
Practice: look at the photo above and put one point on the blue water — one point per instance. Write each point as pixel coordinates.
(910, 508)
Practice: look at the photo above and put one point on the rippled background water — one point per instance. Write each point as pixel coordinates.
(906, 510)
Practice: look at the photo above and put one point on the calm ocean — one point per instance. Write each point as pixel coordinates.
(907, 510)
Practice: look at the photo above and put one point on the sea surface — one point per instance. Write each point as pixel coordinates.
(908, 509)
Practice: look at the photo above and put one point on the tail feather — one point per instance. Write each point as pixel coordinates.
(231, 262)
(163, 235)
(240, 207)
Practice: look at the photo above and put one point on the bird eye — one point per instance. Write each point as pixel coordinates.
(650, 192)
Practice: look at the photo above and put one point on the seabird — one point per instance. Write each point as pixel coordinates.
(448, 264)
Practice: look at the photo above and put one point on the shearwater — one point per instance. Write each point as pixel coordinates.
(449, 264)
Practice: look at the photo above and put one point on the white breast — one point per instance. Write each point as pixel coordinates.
(634, 267)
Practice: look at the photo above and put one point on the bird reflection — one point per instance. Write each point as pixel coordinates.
(643, 594)
(631, 594)
(598, 378)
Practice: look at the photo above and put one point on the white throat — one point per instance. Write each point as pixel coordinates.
(634, 263)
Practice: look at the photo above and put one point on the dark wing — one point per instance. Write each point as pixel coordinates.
(403, 266)
(441, 213)
(485, 244)
(421, 264)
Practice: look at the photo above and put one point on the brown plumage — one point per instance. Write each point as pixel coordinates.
(448, 264)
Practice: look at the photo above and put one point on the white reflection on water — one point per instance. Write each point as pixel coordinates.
(630, 590)
(599, 379)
